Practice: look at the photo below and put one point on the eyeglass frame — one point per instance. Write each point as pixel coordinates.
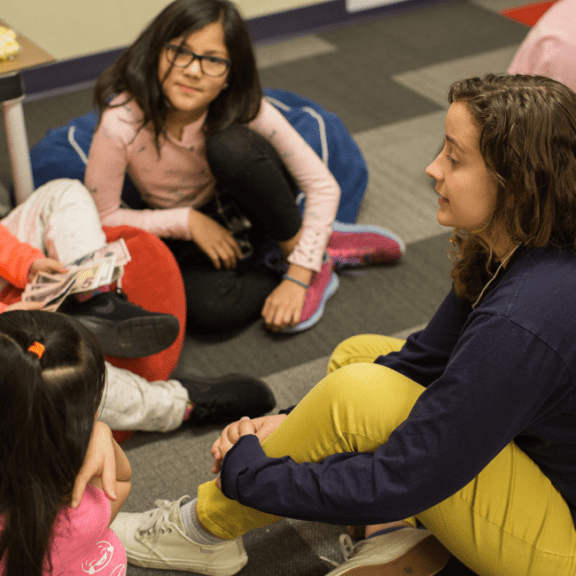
(198, 57)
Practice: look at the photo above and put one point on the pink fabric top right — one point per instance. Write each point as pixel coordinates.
(550, 47)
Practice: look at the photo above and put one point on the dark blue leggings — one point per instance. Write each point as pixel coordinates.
(252, 178)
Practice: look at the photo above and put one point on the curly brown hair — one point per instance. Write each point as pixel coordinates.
(527, 128)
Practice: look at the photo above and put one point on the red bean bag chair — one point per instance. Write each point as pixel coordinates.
(152, 280)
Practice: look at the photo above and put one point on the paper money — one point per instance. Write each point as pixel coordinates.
(50, 294)
(91, 276)
(99, 268)
(44, 278)
(117, 248)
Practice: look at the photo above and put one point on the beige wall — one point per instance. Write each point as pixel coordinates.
(71, 28)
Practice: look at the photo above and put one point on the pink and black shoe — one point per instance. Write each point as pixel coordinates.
(322, 287)
(363, 244)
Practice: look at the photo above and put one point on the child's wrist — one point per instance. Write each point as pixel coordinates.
(296, 281)
(299, 273)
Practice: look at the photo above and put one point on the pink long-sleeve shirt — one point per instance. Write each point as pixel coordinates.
(180, 180)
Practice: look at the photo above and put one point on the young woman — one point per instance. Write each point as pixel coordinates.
(52, 378)
(218, 169)
(469, 427)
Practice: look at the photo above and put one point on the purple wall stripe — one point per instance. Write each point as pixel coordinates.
(64, 74)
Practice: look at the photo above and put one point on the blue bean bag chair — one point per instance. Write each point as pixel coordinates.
(330, 139)
(63, 152)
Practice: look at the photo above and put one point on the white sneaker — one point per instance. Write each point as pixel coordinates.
(157, 539)
(406, 551)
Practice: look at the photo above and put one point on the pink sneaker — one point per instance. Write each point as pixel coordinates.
(362, 244)
(322, 287)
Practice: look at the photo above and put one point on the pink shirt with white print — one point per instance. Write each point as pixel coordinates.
(180, 179)
(82, 542)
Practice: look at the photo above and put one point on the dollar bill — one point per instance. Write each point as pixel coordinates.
(44, 278)
(50, 294)
(86, 277)
(91, 276)
(117, 248)
(99, 268)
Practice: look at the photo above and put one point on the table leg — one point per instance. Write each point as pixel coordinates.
(18, 148)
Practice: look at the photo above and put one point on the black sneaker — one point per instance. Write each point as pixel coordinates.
(123, 329)
(227, 398)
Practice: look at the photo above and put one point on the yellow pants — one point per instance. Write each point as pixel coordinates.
(509, 521)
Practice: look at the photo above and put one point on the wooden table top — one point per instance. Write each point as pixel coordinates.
(28, 56)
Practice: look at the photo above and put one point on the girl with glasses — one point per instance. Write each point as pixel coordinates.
(218, 169)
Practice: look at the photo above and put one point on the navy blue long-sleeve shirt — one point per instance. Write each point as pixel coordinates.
(500, 372)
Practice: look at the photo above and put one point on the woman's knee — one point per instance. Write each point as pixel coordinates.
(362, 348)
(366, 383)
(361, 404)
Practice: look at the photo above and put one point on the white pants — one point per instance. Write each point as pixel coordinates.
(61, 219)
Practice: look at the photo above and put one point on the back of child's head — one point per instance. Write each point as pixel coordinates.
(52, 377)
(136, 72)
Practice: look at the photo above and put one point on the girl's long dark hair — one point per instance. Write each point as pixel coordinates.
(527, 127)
(47, 410)
(136, 72)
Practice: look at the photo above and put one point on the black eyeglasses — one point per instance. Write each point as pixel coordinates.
(183, 57)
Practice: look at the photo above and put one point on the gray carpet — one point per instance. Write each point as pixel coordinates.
(387, 79)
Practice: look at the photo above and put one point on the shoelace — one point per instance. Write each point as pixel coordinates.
(153, 525)
(347, 548)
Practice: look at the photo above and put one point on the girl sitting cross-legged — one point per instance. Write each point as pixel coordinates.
(218, 169)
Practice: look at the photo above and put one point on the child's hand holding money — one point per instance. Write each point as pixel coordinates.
(48, 265)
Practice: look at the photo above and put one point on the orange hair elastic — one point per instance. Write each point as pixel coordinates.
(37, 348)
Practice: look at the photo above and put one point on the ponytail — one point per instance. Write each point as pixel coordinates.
(52, 377)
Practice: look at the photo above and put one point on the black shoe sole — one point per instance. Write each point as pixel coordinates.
(135, 337)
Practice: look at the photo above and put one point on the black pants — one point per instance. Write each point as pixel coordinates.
(251, 180)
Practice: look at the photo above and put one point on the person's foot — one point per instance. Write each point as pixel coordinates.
(322, 287)
(227, 398)
(362, 244)
(157, 539)
(123, 329)
(398, 552)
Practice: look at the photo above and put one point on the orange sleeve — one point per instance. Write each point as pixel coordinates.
(16, 258)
